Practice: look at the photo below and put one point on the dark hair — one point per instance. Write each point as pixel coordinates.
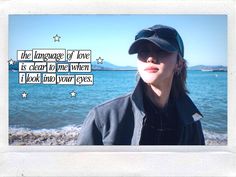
(178, 87)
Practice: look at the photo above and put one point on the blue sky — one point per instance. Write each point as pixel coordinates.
(109, 36)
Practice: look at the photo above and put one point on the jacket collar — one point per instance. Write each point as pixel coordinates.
(137, 98)
(187, 111)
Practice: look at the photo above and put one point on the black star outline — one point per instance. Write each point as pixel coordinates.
(73, 93)
(99, 60)
(24, 94)
(56, 38)
(11, 62)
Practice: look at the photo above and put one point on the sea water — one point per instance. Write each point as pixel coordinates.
(50, 108)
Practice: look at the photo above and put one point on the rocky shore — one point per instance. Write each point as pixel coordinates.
(66, 136)
(69, 136)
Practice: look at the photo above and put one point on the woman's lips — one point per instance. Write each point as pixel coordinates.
(151, 69)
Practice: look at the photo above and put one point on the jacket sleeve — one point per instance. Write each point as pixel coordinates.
(89, 133)
(196, 135)
(192, 134)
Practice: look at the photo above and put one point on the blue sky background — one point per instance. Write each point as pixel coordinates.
(109, 36)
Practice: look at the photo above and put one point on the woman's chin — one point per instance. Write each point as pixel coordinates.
(149, 80)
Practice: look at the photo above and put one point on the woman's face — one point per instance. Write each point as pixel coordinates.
(156, 66)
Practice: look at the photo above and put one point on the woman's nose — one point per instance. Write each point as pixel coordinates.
(151, 59)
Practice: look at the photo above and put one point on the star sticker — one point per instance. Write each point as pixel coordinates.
(99, 60)
(56, 38)
(11, 62)
(73, 93)
(24, 94)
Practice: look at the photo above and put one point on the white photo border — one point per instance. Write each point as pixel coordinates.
(118, 160)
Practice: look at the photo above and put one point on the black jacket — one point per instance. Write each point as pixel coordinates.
(120, 122)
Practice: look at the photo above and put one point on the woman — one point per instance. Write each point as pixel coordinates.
(158, 112)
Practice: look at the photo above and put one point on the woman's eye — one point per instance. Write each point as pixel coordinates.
(156, 54)
(162, 54)
(143, 54)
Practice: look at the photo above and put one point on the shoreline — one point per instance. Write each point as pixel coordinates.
(68, 136)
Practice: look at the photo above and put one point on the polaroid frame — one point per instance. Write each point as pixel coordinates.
(118, 160)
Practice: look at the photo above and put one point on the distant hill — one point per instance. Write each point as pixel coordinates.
(109, 66)
(208, 68)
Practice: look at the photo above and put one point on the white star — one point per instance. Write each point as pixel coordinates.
(24, 94)
(73, 93)
(11, 62)
(56, 38)
(99, 60)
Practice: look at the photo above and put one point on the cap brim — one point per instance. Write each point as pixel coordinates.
(162, 44)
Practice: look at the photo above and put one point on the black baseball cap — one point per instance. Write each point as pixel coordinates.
(164, 37)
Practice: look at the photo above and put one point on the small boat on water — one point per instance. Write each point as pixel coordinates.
(207, 70)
